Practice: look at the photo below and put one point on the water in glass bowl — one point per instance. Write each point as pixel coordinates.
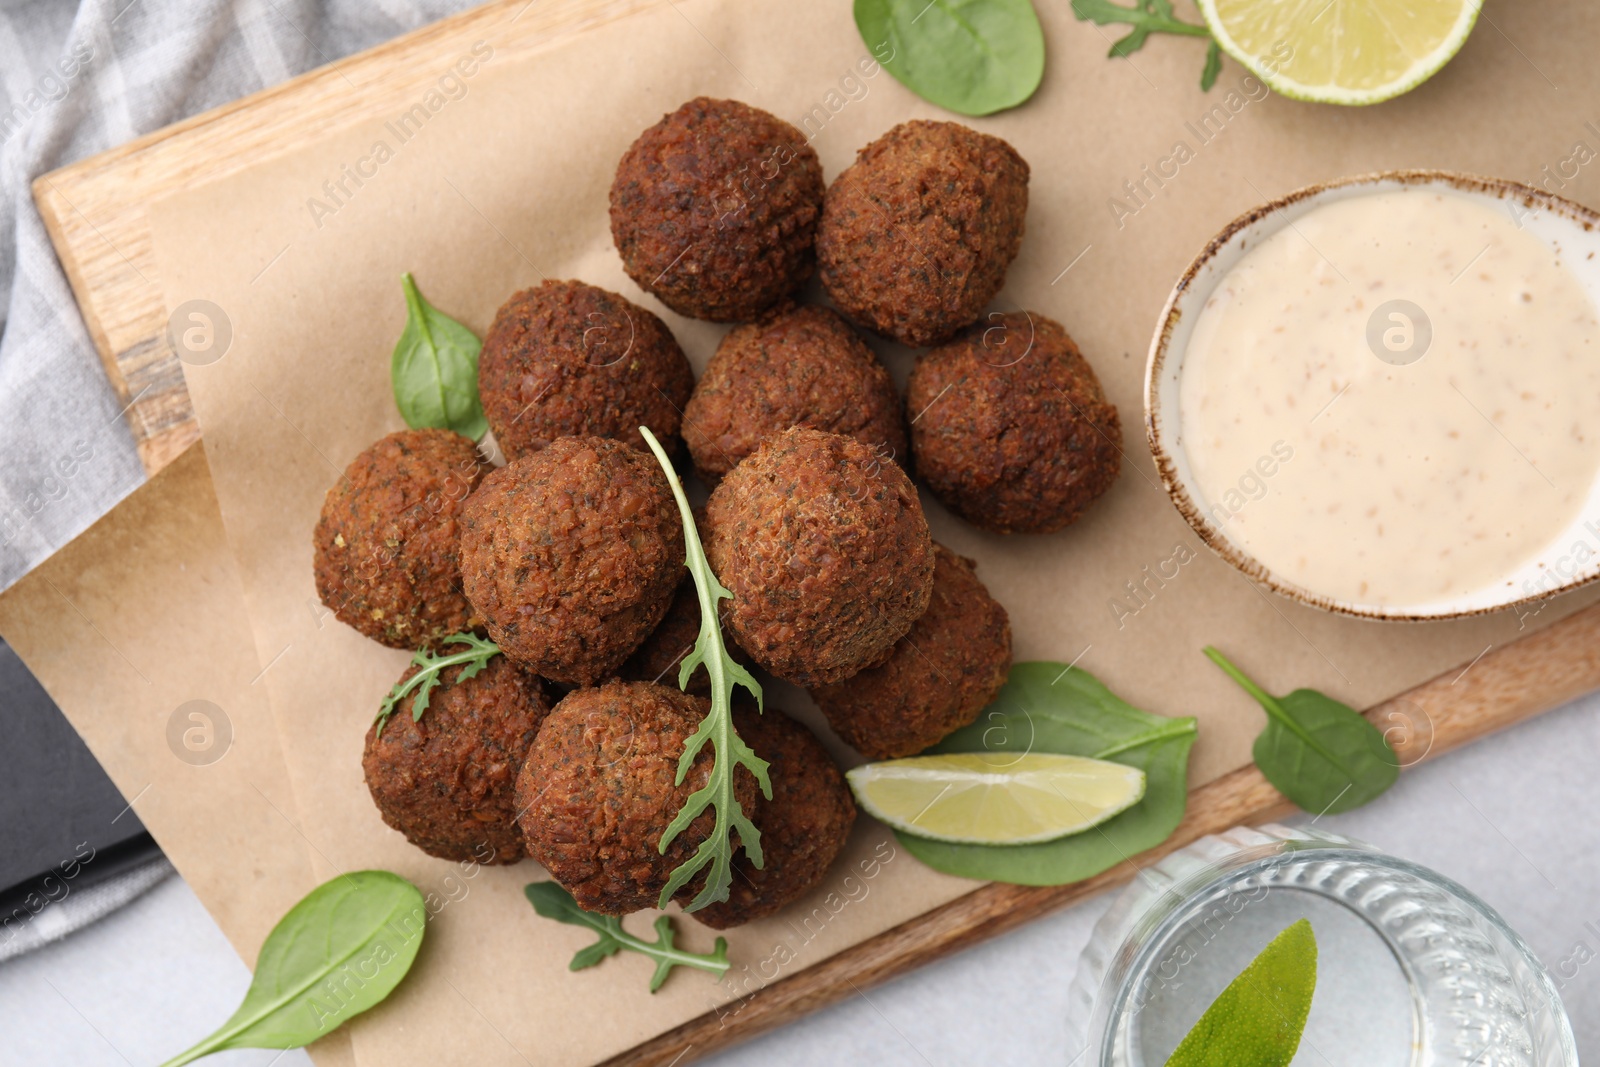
(1412, 970)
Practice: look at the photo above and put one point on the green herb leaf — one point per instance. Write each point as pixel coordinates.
(1319, 753)
(1259, 1019)
(477, 655)
(1148, 17)
(435, 369)
(553, 902)
(338, 952)
(1213, 67)
(1049, 707)
(974, 57)
(729, 753)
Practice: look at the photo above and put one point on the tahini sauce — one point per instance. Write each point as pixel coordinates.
(1355, 474)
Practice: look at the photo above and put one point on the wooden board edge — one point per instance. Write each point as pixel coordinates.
(163, 424)
(1489, 695)
(50, 203)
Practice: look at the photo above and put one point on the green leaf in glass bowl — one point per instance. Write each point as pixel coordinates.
(974, 57)
(1259, 1019)
(1050, 707)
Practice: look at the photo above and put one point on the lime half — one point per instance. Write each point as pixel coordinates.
(981, 798)
(1341, 51)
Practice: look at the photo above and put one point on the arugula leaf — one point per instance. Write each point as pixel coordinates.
(1321, 754)
(1050, 707)
(1259, 1019)
(553, 902)
(729, 753)
(974, 57)
(434, 369)
(338, 952)
(1147, 17)
(477, 656)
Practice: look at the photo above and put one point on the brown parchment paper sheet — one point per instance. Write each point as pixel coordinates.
(506, 184)
(132, 621)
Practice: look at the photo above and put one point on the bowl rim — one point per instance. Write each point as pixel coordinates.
(1531, 197)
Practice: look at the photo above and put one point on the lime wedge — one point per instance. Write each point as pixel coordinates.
(1341, 51)
(983, 798)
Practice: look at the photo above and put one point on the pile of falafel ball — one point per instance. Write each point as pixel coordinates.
(571, 556)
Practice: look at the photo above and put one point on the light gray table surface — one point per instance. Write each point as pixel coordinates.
(1509, 817)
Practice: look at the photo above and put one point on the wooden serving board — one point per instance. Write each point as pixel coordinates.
(94, 209)
(95, 212)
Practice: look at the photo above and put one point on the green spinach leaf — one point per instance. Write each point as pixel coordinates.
(553, 902)
(1258, 1020)
(434, 369)
(338, 952)
(1049, 707)
(974, 57)
(1319, 753)
(1147, 17)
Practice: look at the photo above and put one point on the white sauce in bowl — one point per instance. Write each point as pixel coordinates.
(1394, 453)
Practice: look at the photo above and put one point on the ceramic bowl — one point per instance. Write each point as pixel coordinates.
(1573, 558)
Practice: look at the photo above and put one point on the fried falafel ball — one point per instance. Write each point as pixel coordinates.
(566, 359)
(446, 781)
(658, 658)
(1015, 433)
(942, 674)
(803, 366)
(917, 234)
(598, 790)
(826, 551)
(571, 556)
(384, 551)
(714, 210)
(803, 826)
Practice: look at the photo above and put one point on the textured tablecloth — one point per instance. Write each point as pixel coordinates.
(76, 79)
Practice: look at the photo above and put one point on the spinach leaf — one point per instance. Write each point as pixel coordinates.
(1147, 17)
(1258, 1020)
(1049, 707)
(974, 57)
(338, 952)
(434, 369)
(1319, 753)
(553, 902)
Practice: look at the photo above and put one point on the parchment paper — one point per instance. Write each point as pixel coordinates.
(505, 184)
(142, 616)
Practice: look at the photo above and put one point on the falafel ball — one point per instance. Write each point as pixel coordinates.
(446, 781)
(826, 551)
(571, 556)
(942, 674)
(657, 659)
(597, 791)
(917, 234)
(803, 826)
(1015, 433)
(714, 210)
(566, 359)
(384, 551)
(803, 366)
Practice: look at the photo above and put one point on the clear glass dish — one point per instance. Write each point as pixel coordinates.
(1412, 969)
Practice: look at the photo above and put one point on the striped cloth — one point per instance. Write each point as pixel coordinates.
(75, 79)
